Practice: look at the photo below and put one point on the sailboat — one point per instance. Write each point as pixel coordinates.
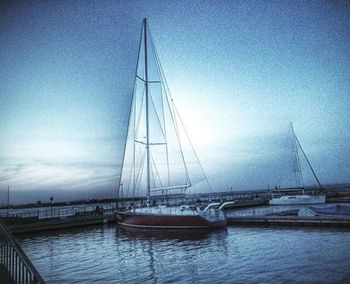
(154, 158)
(301, 198)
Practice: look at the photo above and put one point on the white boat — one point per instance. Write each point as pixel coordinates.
(298, 200)
(301, 198)
(154, 159)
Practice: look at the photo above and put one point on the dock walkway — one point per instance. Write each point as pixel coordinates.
(22, 226)
(320, 221)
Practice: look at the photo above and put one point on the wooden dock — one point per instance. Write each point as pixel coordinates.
(32, 225)
(25, 225)
(29, 223)
(319, 221)
(22, 225)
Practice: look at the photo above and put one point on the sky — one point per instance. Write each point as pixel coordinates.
(239, 72)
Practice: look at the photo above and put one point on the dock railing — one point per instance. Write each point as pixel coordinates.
(15, 266)
(57, 212)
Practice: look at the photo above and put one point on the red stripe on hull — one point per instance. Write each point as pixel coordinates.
(166, 221)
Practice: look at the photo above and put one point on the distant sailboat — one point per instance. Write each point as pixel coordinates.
(301, 198)
(154, 159)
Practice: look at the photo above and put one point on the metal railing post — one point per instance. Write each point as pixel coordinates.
(15, 263)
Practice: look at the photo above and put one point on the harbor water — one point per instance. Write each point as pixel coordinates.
(111, 254)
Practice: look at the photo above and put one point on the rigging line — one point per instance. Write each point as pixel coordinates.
(159, 122)
(136, 129)
(166, 149)
(178, 137)
(154, 49)
(159, 69)
(297, 157)
(165, 134)
(173, 117)
(140, 142)
(183, 126)
(131, 173)
(153, 178)
(307, 160)
(139, 115)
(283, 173)
(152, 174)
(198, 181)
(147, 113)
(130, 109)
(134, 146)
(172, 114)
(166, 141)
(133, 149)
(195, 153)
(162, 103)
(137, 76)
(155, 167)
(139, 176)
(138, 187)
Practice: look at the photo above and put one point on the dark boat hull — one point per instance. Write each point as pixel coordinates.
(144, 220)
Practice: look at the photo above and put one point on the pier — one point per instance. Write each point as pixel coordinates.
(42, 220)
(23, 223)
(22, 226)
(15, 267)
(86, 215)
(300, 221)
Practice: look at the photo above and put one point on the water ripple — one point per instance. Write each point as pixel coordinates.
(255, 255)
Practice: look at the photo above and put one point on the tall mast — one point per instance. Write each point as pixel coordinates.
(147, 115)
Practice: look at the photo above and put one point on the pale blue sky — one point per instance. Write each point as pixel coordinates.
(239, 72)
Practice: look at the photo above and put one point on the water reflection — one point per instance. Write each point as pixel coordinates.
(160, 234)
(112, 254)
(164, 251)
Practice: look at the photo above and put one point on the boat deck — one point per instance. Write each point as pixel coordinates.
(163, 210)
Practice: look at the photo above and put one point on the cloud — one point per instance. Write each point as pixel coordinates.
(49, 175)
